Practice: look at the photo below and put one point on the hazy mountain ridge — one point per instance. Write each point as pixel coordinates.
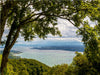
(78, 48)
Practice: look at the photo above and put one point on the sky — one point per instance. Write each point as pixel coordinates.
(67, 30)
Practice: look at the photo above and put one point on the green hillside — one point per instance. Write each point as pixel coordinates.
(0, 59)
(26, 67)
(79, 66)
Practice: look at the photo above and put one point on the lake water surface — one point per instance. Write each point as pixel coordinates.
(48, 57)
(49, 53)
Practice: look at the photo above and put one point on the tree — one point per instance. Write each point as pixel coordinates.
(39, 17)
(24, 72)
(91, 38)
(90, 34)
(5, 7)
(29, 18)
(58, 70)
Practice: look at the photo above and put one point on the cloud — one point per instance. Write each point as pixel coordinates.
(68, 32)
(66, 28)
(65, 39)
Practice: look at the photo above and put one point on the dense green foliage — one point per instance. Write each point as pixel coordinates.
(31, 18)
(87, 63)
(29, 66)
(91, 38)
(26, 67)
(58, 70)
(0, 59)
(79, 66)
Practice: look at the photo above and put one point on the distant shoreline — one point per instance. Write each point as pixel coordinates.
(12, 51)
(58, 57)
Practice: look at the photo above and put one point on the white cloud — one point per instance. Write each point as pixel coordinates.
(66, 28)
(68, 32)
(66, 39)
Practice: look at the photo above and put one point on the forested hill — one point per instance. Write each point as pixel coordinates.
(79, 66)
(26, 67)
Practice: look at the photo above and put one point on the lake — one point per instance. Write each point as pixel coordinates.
(52, 53)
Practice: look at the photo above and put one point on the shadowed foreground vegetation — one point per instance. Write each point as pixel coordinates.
(79, 66)
(26, 67)
(38, 18)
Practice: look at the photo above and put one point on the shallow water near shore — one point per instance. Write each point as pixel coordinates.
(48, 57)
(48, 52)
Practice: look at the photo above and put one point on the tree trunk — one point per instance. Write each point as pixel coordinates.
(3, 18)
(4, 15)
(4, 60)
(7, 49)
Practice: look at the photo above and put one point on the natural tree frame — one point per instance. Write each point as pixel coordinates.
(41, 19)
